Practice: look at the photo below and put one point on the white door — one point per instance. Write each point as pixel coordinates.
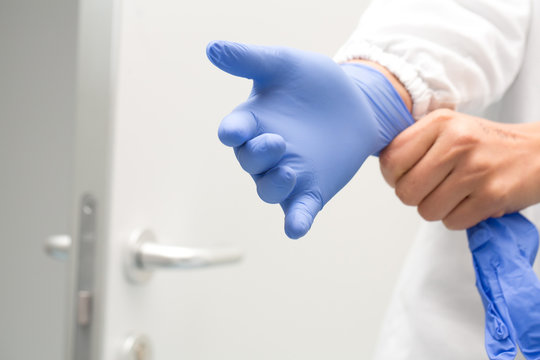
(147, 159)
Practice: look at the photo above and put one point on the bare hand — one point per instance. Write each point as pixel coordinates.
(463, 169)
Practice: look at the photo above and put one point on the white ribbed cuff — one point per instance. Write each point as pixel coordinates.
(421, 94)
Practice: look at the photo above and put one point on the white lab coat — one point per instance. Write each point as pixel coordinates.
(481, 57)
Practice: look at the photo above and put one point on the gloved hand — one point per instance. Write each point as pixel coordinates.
(503, 252)
(307, 127)
(308, 124)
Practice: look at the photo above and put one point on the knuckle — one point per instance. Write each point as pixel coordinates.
(453, 224)
(477, 164)
(442, 114)
(462, 135)
(495, 192)
(427, 212)
(494, 206)
(406, 195)
(287, 175)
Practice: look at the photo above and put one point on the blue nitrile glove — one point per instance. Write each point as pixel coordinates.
(503, 252)
(308, 124)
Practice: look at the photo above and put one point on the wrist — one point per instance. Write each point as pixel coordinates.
(387, 106)
(398, 85)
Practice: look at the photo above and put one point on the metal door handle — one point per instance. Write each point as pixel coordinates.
(152, 256)
(57, 246)
(144, 255)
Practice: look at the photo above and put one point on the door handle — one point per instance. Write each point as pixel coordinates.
(57, 246)
(144, 255)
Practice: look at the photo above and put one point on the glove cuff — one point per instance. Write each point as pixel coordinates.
(388, 106)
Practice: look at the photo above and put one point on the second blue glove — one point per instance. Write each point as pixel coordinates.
(503, 251)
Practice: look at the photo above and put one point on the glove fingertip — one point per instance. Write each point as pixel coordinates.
(215, 49)
(237, 128)
(297, 225)
(230, 137)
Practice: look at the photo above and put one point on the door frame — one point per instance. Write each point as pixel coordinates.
(97, 46)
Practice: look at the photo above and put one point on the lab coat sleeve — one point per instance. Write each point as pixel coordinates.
(461, 54)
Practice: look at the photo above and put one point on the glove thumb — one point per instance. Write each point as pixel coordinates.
(300, 211)
(255, 62)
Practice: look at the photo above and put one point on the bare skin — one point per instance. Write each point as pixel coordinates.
(463, 169)
(459, 168)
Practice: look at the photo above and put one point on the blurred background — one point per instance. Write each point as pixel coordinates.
(321, 297)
